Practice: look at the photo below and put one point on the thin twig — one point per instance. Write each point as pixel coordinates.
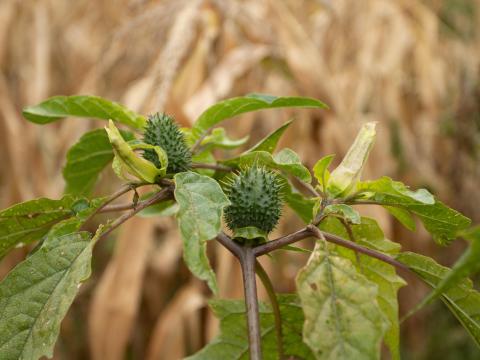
(161, 195)
(217, 167)
(123, 190)
(263, 276)
(281, 242)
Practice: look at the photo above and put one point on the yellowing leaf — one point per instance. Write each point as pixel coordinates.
(347, 174)
(127, 161)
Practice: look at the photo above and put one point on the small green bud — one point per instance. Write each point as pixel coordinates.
(255, 197)
(161, 130)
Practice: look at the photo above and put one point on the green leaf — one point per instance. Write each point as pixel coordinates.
(347, 212)
(36, 294)
(462, 300)
(232, 343)
(59, 107)
(469, 263)
(286, 160)
(239, 105)
(126, 161)
(342, 317)
(269, 143)
(201, 201)
(164, 208)
(320, 170)
(369, 234)
(86, 159)
(219, 139)
(27, 222)
(344, 178)
(301, 205)
(403, 216)
(439, 220)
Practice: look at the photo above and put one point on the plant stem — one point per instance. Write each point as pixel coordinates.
(263, 276)
(312, 230)
(161, 195)
(251, 301)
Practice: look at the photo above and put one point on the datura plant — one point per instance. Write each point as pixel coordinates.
(345, 305)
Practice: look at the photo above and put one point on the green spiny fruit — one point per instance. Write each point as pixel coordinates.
(161, 130)
(255, 196)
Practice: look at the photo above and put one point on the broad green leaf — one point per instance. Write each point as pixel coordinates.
(269, 143)
(403, 216)
(36, 294)
(286, 160)
(232, 342)
(201, 201)
(347, 212)
(344, 178)
(219, 139)
(439, 220)
(27, 222)
(301, 205)
(59, 107)
(86, 159)
(127, 161)
(369, 234)
(239, 105)
(462, 299)
(342, 317)
(469, 263)
(320, 171)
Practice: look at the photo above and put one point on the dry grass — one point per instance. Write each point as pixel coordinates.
(411, 65)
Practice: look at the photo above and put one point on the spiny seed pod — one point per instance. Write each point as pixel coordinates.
(161, 130)
(255, 196)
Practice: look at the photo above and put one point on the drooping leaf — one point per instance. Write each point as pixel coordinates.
(59, 107)
(439, 220)
(232, 343)
(346, 175)
(369, 234)
(201, 201)
(320, 171)
(286, 160)
(239, 105)
(36, 294)
(469, 263)
(347, 212)
(342, 317)
(462, 299)
(126, 161)
(86, 159)
(219, 139)
(27, 222)
(269, 143)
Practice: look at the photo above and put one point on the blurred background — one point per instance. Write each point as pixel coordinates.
(411, 65)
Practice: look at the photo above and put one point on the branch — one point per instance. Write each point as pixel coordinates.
(123, 190)
(161, 195)
(281, 242)
(310, 231)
